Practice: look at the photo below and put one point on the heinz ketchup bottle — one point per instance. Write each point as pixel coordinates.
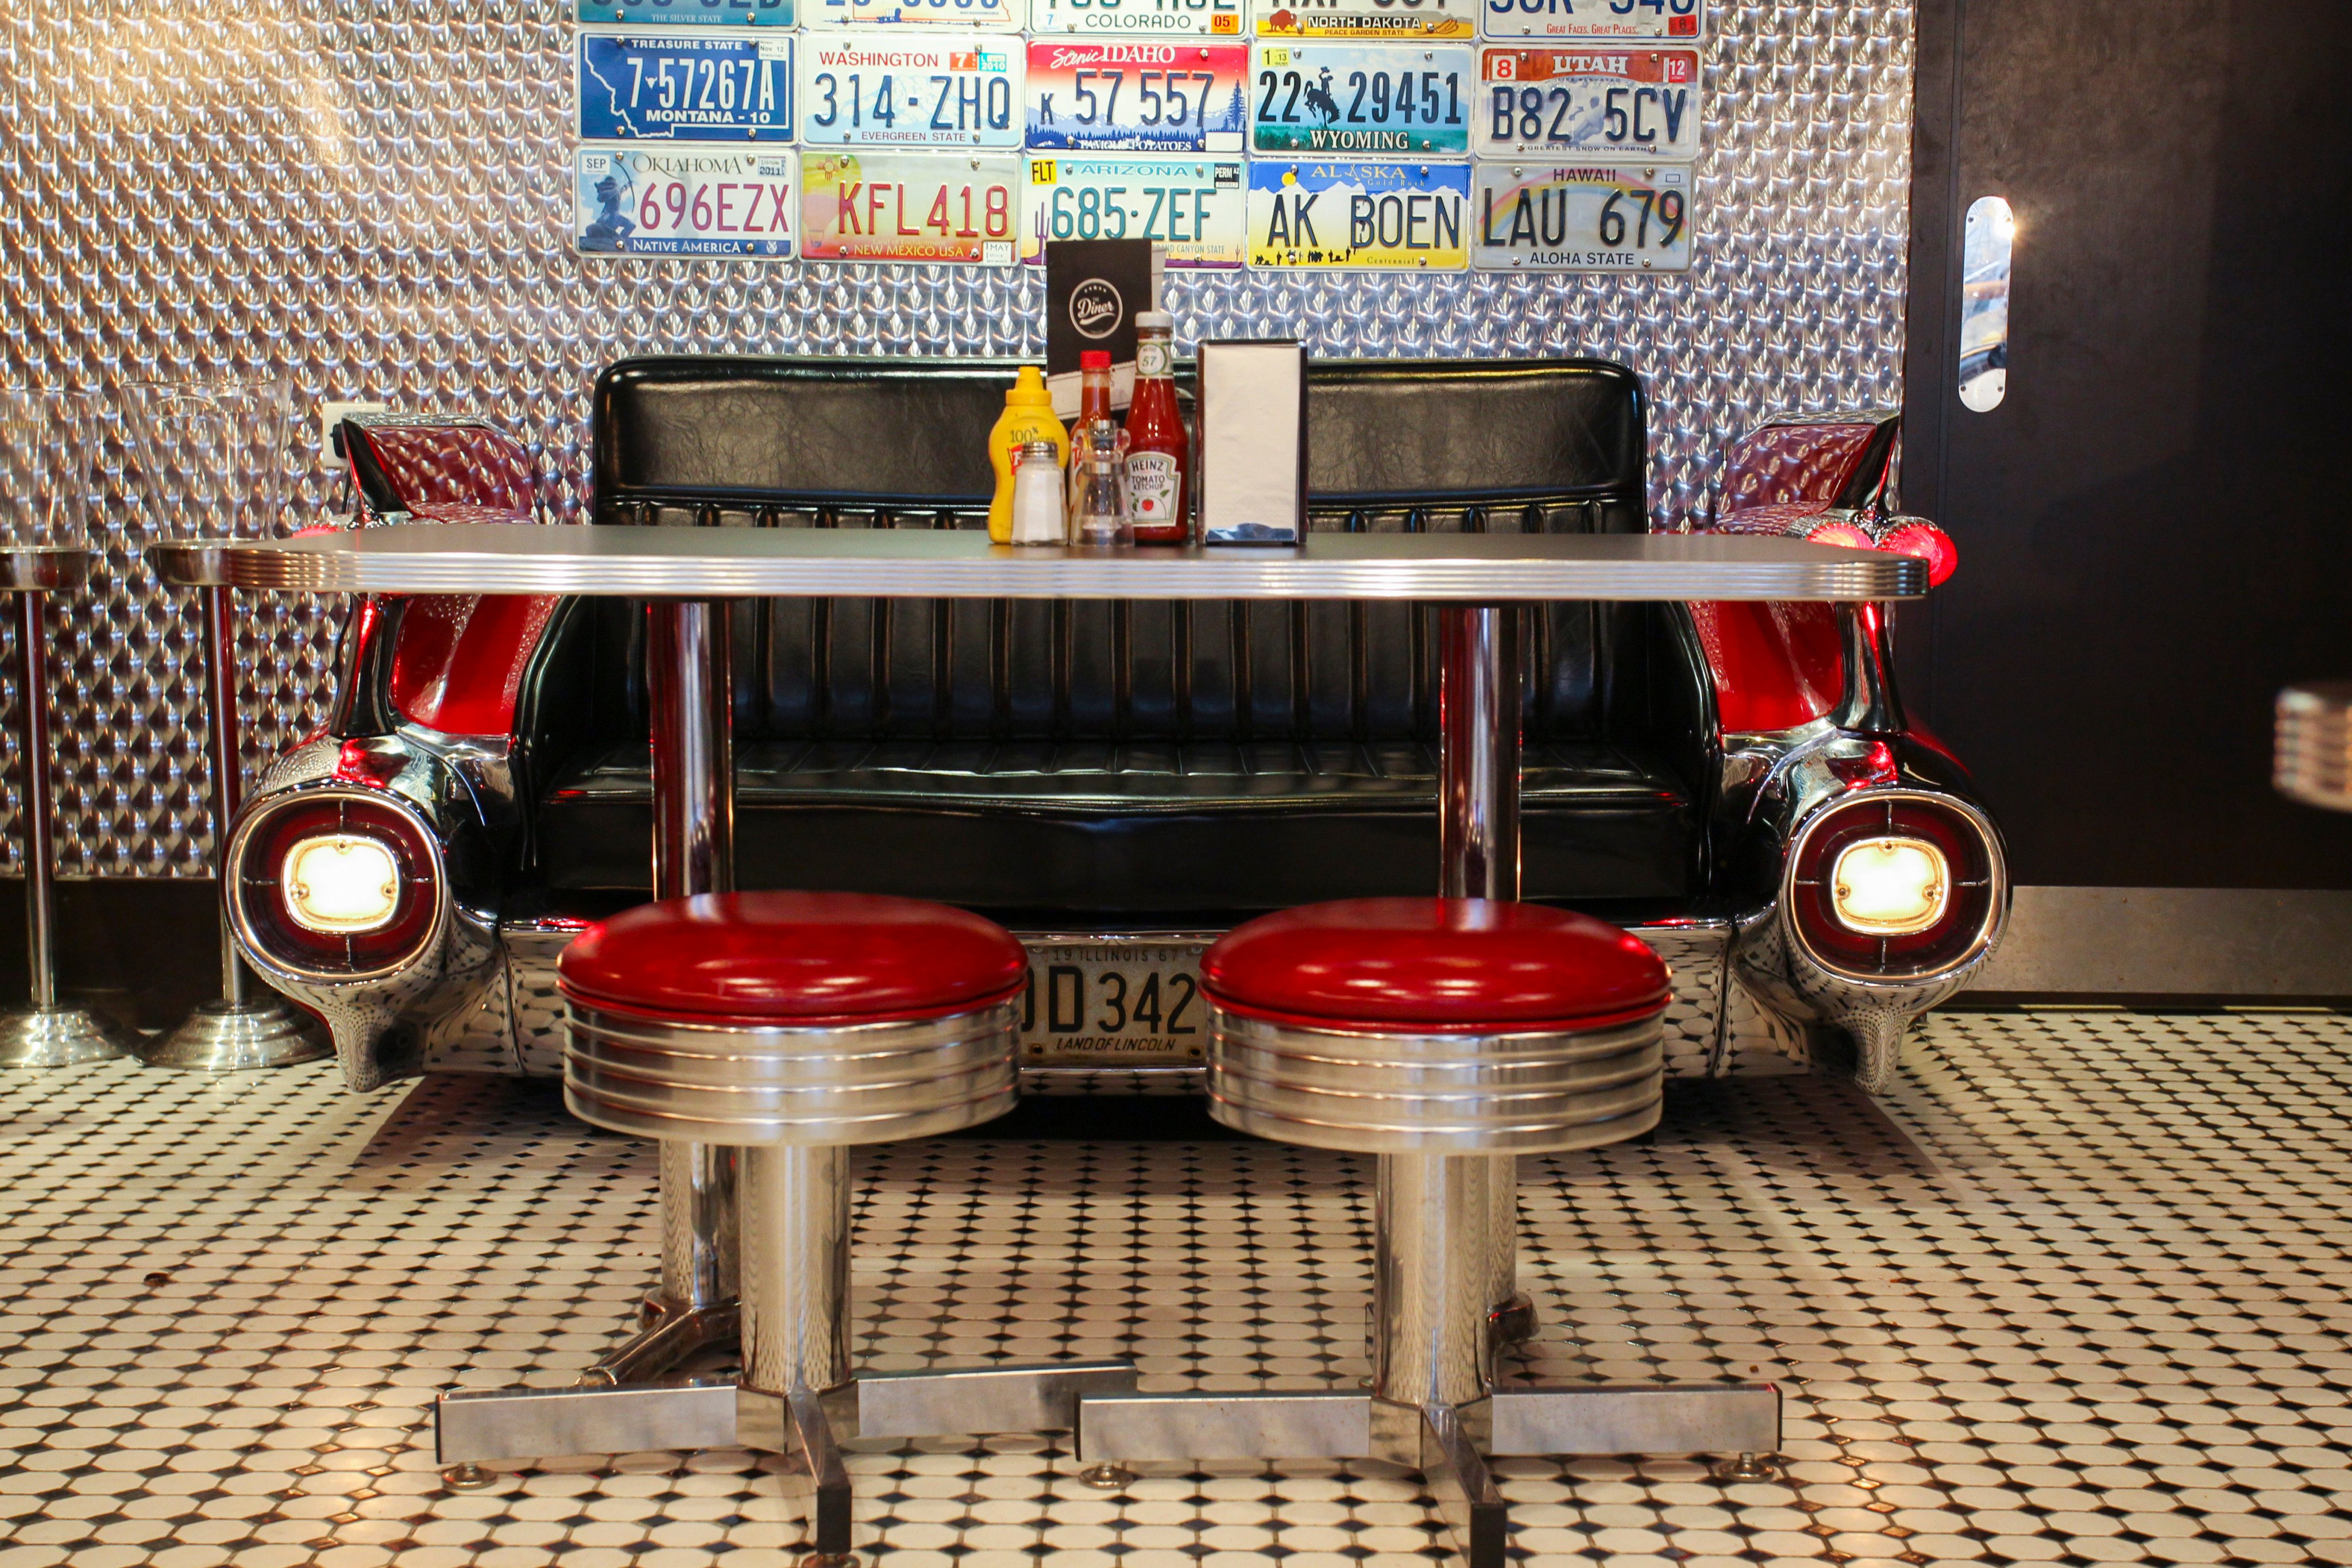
(1156, 446)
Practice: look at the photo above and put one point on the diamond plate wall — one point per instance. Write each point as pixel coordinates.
(368, 198)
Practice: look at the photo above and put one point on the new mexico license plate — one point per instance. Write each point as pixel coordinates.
(1368, 18)
(1595, 18)
(1104, 1003)
(685, 84)
(1218, 18)
(909, 206)
(1579, 102)
(1382, 101)
(1004, 15)
(1581, 220)
(691, 12)
(698, 201)
(896, 89)
(1197, 207)
(1169, 97)
(1384, 216)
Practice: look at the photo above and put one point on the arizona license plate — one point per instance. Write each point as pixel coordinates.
(700, 201)
(1368, 18)
(1581, 220)
(1118, 1001)
(891, 90)
(1335, 99)
(909, 206)
(1383, 216)
(1219, 18)
(1004, 15)
(685, 85)
(1197, 207)
(1596, 18)
(691, 12)
(1579, 102)
(1170, 97)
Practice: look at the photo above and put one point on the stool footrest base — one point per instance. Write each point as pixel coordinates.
(542, 1423)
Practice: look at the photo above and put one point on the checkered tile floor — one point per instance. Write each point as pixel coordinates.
(2075, 1292)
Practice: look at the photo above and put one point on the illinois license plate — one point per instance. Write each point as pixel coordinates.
(691, 12)
(1581, 220)
(909, 206)
(894, 89)
(1167, 97)
(1004, 15)
(685, 201)
(1584, 103)
(1383, 216)
(1595, 18)
(1218, 18)
(685, 85)
(1368, 18)
(1335, 99)
(1116, 1002)
(1197, 207)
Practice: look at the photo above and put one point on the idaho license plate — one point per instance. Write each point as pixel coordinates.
(685, 85)
(1595, 18)
(682, 201)
(1004, 15)
(1218, 18)
(1368, 18)
(1383, 216)
(909, 206)
(691, 12)
(1115, 1001)
(1581, 220)
(1382, 101)
(894, 89)
(1579, 102)
(1197, 207)
(1168, 96)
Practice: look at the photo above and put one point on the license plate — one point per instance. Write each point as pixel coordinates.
(1588, 103)
(1004, 15)
(1334, 98)
(1197, 207)
(1595, 18)
(890, 90)
(1581, 220)
(1368, 18)
(909, 206)
(1218, 18)
(691, 12)
(685, 85)
(1101, 96)
(1383, 216)
(701, 201)
(1128, 1003)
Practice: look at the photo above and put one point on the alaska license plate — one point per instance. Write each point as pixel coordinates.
(684, 84)
(1003, 14)
(691, 12)
(685, 201)
(1093, 95)
(1123, 1003)
(1579, 102)
(1368, 18)
(1218, 18)
(910, 206)
(1527, 219)
(1384, 216)
(1197, 207)
(897, 89)
(1595, 18)
(1372, 101)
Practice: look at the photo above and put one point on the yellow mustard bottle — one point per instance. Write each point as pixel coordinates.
(1028, 416)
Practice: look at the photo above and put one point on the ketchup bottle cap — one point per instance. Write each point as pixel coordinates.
(1094, 359)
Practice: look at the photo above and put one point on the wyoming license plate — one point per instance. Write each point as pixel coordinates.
(685, 85)
(1219, 18)
(685, 202)
(1384, 216)
(1368, 18)
(1582, 102)
(691, 12)
(1382, 101)
(1169, 97)
(1195, 207)
(894, 89)
(999, 14)
(909, 206)
(1595, 18)
(1581, 220)
(1114, 1003)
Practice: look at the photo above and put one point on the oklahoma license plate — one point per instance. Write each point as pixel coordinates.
(691, 12)
(894, 89)
(1120, 1002)
(1004, 15)
(909, 206)
(681, 201)
(1168, 96)
(1581, 220)
(1368, 18)
(1219, 18)
(1376, 100)
(1197, 207)
(684, 84)
(1595, 18)
(1385, 216)
(1582, 102)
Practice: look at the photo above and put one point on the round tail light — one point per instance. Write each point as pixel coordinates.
(336, 886)
(1889, 887)
(1928, 542)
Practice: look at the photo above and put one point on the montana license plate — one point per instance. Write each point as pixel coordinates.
(1376, 100)
(1003, 14)
(1118, 1001)
(685, 84)
(685, 201)
(1368, 18)
(1218, 18)
(910, 206)
(1384, 216)
(1197, 207)
(1595, 18)
(691, 12)
(1581, 220)
(897, 89)
(1093, 95)
(1579, 102)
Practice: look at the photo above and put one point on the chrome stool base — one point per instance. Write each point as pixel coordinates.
(60, 1037)
(227, 1037)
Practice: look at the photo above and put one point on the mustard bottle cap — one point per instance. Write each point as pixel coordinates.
(1028, 390)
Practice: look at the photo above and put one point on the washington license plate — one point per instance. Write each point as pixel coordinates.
(685, 85)
(1004, 15)
(1368, 18)
(691, 12)
(1384, 216)
(1377, 100)
(1584, 103)
(1219, 18)
(1197, 207)
(1122, 1003)
(697, 201)
(1167, 97)
(894, 89)
(910, 206)
(1595, 18)
(1581, 220)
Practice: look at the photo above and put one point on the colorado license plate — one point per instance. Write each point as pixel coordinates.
(1582, 102)
(1384, 216)
(1368, 18)
(1197, 207)
(909, 206)
(1135, 96)
(1130, 1003)
(685, 85)
(1581, 220)
(1004, 15)
(691, 12)
(1595, 18)
(1335, 99)
(1216, 17)
(700, 201)
(894, 89)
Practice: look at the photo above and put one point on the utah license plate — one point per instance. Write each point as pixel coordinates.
(1581, 220)
(681, 201)
(1115, 1001)
(691, 12)
(894, 89)
(1582, 102)
(1384, 216)
(1167, 97)
(1197, 207)
(683, 84)
(1219, 18)
(1335, 99)
(1595, 18)
(909, 206)
(999, 14)
(1368, 18)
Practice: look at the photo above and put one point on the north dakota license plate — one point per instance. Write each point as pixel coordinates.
(1368, 18)
(1386, 216)
(1376, 100)
(1219, 18)
(1595, 18)
(1527, 219)
(681, 84)
(1168, 97)
(1588, 103)
(894, 89)
(1197, 207)
(685, 201)
(1120, 1002)
(999, 14)
(910, 206)
(691, 12)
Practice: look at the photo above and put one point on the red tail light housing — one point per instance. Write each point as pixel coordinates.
(1886, 886)
(380, 915)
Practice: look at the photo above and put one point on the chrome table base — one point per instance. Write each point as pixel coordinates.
(222, 1035)
(57, 1036)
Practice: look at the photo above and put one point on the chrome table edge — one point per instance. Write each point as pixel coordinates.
(192, 562)
(39, 568)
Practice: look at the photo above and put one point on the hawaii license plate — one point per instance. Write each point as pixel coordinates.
(1003, 14)
(689, 13)
(1595, 18)
(685, 84)
(1374, 102)
(700, 201)
(1197, 207)
(1216, 17)
(909, 206)
(1587, 103)
(1368, 18)
(1581, 220)
(1167, 97)
(1383, 216)
(1114, 1002)
(894, 89)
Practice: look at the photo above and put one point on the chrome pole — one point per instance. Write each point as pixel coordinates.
(1432, 1275)
(795, 1208)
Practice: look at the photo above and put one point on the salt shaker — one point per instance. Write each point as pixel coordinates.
(1101, 517)
(1038, 517)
